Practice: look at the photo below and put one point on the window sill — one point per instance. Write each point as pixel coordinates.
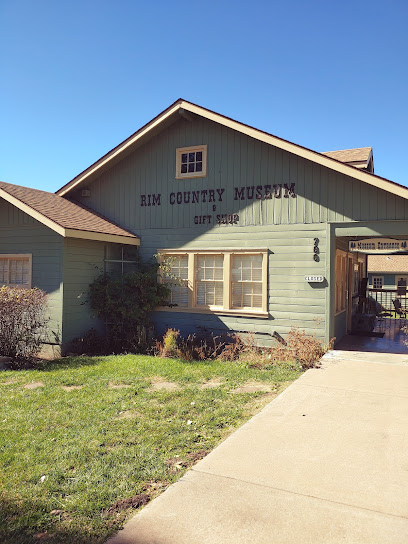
(15, 285)
(217, 311)
(191, 175)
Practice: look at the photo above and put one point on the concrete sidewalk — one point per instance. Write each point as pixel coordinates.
(325, 462)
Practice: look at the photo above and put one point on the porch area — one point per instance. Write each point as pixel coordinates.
(388, 336)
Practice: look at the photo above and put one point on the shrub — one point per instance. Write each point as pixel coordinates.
(305, 349)
(299, 348)
(23, 321)
(91, 343)
(126, 303)
(195, 347)
(170, 347)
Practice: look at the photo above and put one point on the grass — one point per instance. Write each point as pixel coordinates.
(81, 452)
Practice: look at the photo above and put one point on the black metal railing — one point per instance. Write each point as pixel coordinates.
(380, 302)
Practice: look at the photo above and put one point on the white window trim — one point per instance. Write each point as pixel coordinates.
(227, 307)
(377, 277)
(189, 175)
(19, 256)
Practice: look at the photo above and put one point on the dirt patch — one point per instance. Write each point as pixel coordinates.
(149, 490)
(128, 414)
(43, 537)
(214, 382)
(112, 385)
(131, 502)
(33, 385)
(177, 463)
(252, 387)
(160, 384)
(7, 383)
(71, 387)
(61, 515)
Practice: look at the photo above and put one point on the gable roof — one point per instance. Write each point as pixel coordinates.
(388, 263)
(65, 217)
(185, 109)
(359, 157)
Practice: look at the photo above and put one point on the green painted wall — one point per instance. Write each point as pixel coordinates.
(239, 169)
(292, 300)
(19, 233)
(234, 161)
(83, 262)
(63, 267)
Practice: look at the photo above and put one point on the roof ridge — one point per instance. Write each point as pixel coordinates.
(348, 149)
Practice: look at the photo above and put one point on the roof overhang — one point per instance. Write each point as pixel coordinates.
(68, 233)
(180, 107)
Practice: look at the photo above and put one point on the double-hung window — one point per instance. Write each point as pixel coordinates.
(177, 280)
(247, 281)
(15, 270)
(209, 281)
(231, 281)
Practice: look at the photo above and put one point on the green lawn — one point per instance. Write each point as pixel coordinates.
(84, 442)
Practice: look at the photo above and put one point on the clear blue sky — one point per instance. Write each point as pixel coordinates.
(78, 77)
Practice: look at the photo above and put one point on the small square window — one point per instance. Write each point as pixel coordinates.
(378, 282)
(191, 162)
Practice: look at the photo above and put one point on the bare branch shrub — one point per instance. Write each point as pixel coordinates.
(23, 321)
(305, 349)
(299, 348)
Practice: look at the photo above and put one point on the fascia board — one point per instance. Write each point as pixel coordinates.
(318, 158)
(101, 237)
(32, 213)
(342, 168)
(118, 150)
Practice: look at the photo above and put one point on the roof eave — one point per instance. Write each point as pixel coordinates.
(68, 233)
(120, 149)
(102, 237)
(308, 154)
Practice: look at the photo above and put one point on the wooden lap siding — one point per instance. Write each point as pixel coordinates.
(291, 300)
(83, 262)
(234, 160)
(20, 234)
(286, 226)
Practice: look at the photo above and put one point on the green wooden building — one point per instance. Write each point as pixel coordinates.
(266, 234)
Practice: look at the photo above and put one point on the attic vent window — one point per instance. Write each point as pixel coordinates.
(191, 162)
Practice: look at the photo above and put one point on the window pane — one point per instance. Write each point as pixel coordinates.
(247, 281)
(191, 163)
(209, 280)
(3, 270)
(178, 282)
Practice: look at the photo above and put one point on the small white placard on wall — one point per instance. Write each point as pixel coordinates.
(314, 279)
